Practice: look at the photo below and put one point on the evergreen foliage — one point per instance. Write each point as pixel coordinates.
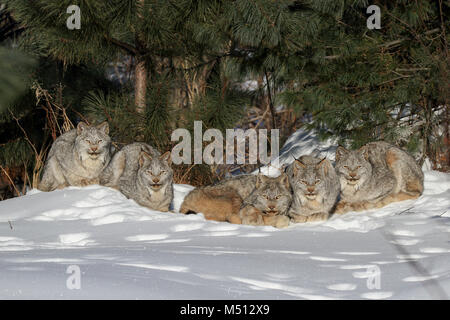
(186, 60)
(390, 83)
(13, 66)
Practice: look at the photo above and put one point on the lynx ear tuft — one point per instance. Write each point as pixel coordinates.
(298, 164)
(284, 179)
(324, 163)
(364, 151)
(143, 158)
(104, 127)
(166, 157)
(260, 180)
(81, 127)
(340, 152)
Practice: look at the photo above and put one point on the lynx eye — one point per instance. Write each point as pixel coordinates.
(304, 182)
(277, 197)
(317, 181)
(88, 141)
(346, 167)
(358, 167)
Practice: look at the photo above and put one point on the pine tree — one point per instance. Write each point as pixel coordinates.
(142, 29)
(390, 83)
(13, 63)
(186, 60)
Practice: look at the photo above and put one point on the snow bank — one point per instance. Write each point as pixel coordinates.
(301, 143)
(127, 251)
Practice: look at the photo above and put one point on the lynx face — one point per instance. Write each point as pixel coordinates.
(93, 143)
(309, 177)
(272, 195)
(353, 167)
(155, 172)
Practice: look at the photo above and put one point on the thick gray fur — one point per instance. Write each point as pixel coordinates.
(77, 157)
(315, 188)
(141, 173)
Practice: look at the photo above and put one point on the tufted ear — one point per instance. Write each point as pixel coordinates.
(143, 158)
(283, 178)
(364, 151)
(324, 163)
(298, 165)
(260, 180)
(340, 152)
(81, 127)
(104, 127)
(166, 157)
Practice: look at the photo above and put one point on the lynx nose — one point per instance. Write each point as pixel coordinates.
(94, 149)
(271, 206)
(352, 174)
(155, 180)
(310, 189)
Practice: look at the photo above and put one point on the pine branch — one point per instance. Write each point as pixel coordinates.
(272, 108)
(123, 45)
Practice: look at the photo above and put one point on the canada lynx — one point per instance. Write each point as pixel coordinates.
(263, 200)
(268, 203)
(315, 188)
(141, 173)
(221, 201)
(77, 157)
(375, 175)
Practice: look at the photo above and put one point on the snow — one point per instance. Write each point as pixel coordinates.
(126, 251)
(300, 143)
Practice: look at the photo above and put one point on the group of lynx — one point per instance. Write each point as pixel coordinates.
(309, 189)
(84, 156)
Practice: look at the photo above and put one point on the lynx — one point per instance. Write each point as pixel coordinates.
(263, 200)
(77, 157)
(222, 201)
(315, 189)
(375, 175)
(268, 203)
(141, 173)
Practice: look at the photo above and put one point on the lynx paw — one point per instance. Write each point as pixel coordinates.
(342, 207)
(320, 216)
(361, 206)
(280, 222)
(251, 216)
(253, 220)
(62, 186)
(299, 219)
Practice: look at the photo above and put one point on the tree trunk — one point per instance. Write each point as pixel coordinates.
(140, 84)
(140, 71)
(272, 107)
